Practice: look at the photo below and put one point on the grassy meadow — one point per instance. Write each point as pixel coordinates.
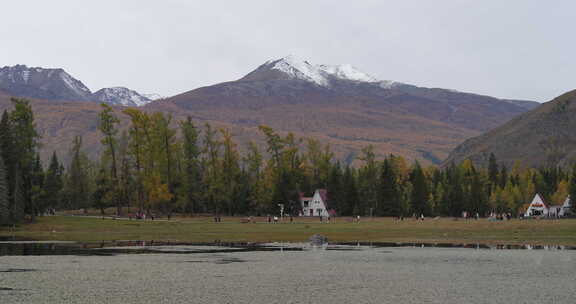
(203, 229)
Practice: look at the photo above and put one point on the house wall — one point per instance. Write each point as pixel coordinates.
(566, 207)
(555, 211)
(537, 206)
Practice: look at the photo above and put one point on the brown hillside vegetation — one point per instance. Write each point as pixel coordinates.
(542, 137)
(414, 127)
(424, 127)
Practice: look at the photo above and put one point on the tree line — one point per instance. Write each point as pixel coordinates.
(161, 166)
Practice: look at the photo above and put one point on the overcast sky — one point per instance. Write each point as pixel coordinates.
(522, 49)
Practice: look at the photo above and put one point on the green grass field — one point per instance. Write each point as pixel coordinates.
(202, 229)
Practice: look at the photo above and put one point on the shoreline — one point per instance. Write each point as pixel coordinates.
(232, 229)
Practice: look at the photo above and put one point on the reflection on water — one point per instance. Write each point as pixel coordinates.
(26, 248)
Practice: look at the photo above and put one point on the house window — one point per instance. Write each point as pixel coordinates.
(306, 204)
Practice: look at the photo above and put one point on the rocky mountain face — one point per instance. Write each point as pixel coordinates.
(121, 96)
(348, 109)
(51, 84)
(56, 84)
(542, 137)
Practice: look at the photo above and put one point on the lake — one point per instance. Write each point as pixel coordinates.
(127, 272)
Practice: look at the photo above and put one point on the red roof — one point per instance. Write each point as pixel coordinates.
(324, 195)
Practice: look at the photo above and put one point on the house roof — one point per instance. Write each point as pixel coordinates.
(324, 195)
(304, 198)
(567, 202)
(538, 199)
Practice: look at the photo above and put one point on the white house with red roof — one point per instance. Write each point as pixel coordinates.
(317, 205)
(537, 207)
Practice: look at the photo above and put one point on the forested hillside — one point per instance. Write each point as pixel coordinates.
(161, 166)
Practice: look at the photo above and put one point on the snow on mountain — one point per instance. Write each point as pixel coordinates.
(121, 96)
(319, 74)
(36, 82)
(347, 72)
(57, 84)
(153, 96)
(73, 83)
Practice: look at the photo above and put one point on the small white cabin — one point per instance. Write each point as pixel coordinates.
(566, 207)
(537, 207)
(560, 210)
(317, 205)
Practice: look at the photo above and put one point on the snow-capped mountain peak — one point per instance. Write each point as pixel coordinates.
(347, 72)
(73, 83)
(36, 82)
(319, 74)
(121, 96)
(153, 96)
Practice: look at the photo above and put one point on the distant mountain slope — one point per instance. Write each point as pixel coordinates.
(57, 84)
(542, 137)
(52, 84)
(347, 108)
(338, 105)
(120, 96)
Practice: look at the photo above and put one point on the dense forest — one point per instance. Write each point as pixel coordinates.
(162, 166)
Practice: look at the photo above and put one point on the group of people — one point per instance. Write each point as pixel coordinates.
(500, 216)
(141, 215)
(275, 219)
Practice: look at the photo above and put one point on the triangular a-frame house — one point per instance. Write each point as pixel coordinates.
(537, 207)
(317, 205)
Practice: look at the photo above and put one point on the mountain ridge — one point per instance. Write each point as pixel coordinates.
(421, 123)
(346, 112)
(540, 137)
(56, 84)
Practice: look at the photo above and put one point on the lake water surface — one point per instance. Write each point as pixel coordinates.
(160, 272)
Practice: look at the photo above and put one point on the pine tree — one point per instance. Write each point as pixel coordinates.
(37, 203)
(230, 171)
(101, 193)
(368, 182)
(18, 201)
(493, 170)
(4, 203)
(107, 124)
(572, 191)
(190, 198)
(478, 195)
(420, 191)
(389, 190)
(258, 193)
(335, 193)
(349, 205)
(77, 185)
(25, 143)
(53, 183)
(7, 154)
